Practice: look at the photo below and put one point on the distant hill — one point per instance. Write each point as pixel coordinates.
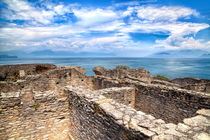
(7, 56)
(181, 54)
(49, 53)
(206, 55)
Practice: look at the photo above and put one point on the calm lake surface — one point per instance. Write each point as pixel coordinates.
(169, 67)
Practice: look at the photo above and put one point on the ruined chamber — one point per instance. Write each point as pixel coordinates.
(44, 101)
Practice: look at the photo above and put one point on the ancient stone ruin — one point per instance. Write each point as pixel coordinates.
(44, 101)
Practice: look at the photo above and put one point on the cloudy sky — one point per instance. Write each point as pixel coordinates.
(115, 27)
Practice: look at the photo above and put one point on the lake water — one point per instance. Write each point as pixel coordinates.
(169, 67)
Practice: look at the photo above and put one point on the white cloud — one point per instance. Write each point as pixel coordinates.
(179, 42)
(170, 13)
(23, 10)
(109, 26)
(165, 13)
(95, 16)
(70, 36)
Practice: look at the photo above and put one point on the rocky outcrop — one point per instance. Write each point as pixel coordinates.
(121, 72)
(99, 70)
(202, 85)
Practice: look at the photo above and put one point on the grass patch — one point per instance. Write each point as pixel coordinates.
(35, 106)
(162, 77)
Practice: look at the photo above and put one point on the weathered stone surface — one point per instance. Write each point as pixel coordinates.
(182, 127)
(193, 84)
(202, 136)
(204, 112)
(174, 133)
(99, 70)
(121, 72)
(197, 121)
(165, 137)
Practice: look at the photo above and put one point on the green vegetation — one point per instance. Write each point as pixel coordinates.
(65, 76)
(70, 74)
(96, 109)
(134, 86)
(162, 77)
(93, 81)
(35, 106)
(0, 111)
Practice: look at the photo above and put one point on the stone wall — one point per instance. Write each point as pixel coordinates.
(172, 104)
(36, 107)
(124, 95)
(34, 115)
(94, 116)
(15, 72)
(169, 104)
(49, 80)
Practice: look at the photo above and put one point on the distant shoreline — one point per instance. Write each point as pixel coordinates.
(8, 56)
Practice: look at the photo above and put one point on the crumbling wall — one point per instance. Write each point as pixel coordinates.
(34, 115)
(169, 104)
(202, 85)
(37, 107)
(97, 117)
(94, 116)
(15, 72)
(121, 72)
(172, 104)
(49, 80)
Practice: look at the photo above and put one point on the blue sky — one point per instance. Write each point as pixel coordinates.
(118, 27)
